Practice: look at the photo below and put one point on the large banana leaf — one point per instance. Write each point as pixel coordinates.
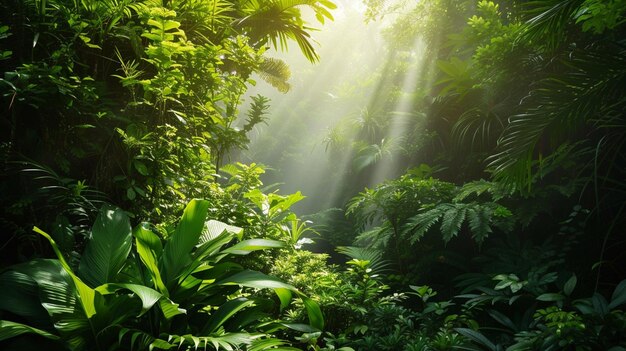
(177, 251)
(86, 295)
(225, 312)
(213, 229)
(10, 329)
(258, 280)
(149, 248)
(19, 294)
(149, 297)
(107, 248)
(56, 294)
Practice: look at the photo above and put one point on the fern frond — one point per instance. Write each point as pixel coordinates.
(375, 238)
(452, 220)
(479, 217)
(257, 112)
(276, 72)
(477, 187)
(418, 225)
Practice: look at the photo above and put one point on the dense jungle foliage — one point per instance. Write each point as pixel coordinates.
(478, 205)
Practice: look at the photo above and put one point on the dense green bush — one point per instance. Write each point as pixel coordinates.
(153, 293)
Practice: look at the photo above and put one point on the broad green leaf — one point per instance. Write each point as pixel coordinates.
(502, 319)
(600, 304)
(316, 318)
(141, 167)
(226, 311)
(619, 295)
(59, 297)
(161, 344)
(208, 251)
(170, 308)
(108, 247)
(247, 246)
(148, 238)
(284, 203)
(569, 286)
(503, 284)
(477, 337)
(284, 295)
(169, 24)
(215, 228)
(149, 248)
(19, 294)
(304, 328)
(86, 295)
(10, 329)
(147, 296)
(177, 251)
(253, 279)
(550, 297)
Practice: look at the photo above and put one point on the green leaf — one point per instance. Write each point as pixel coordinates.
(600, 304)
(108, 247)
(147, 296)
(149, 248)
(141, 167)
(247, 246)
(422, 222)
(86, 295)
(284, 295)
(10, 329)
(550, 297)
(254, 279)
(19, 294)
(177, 251)
(477, 337)
(226, 311)
(569, 286)
(451, 223)
(619, 295)
(479, 218)
(503, 284)
(130, 194)
(316, 318)
(502, 319)
(170, 308)
(161, 344)
(304, 328)
(215, 228)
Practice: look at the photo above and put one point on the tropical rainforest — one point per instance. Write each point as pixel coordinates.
(319, 175)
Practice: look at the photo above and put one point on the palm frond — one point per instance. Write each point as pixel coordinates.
(278, 21)
(477, 129)
(589, 94)
(548, 21)
(452, 220)
(276, 72)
